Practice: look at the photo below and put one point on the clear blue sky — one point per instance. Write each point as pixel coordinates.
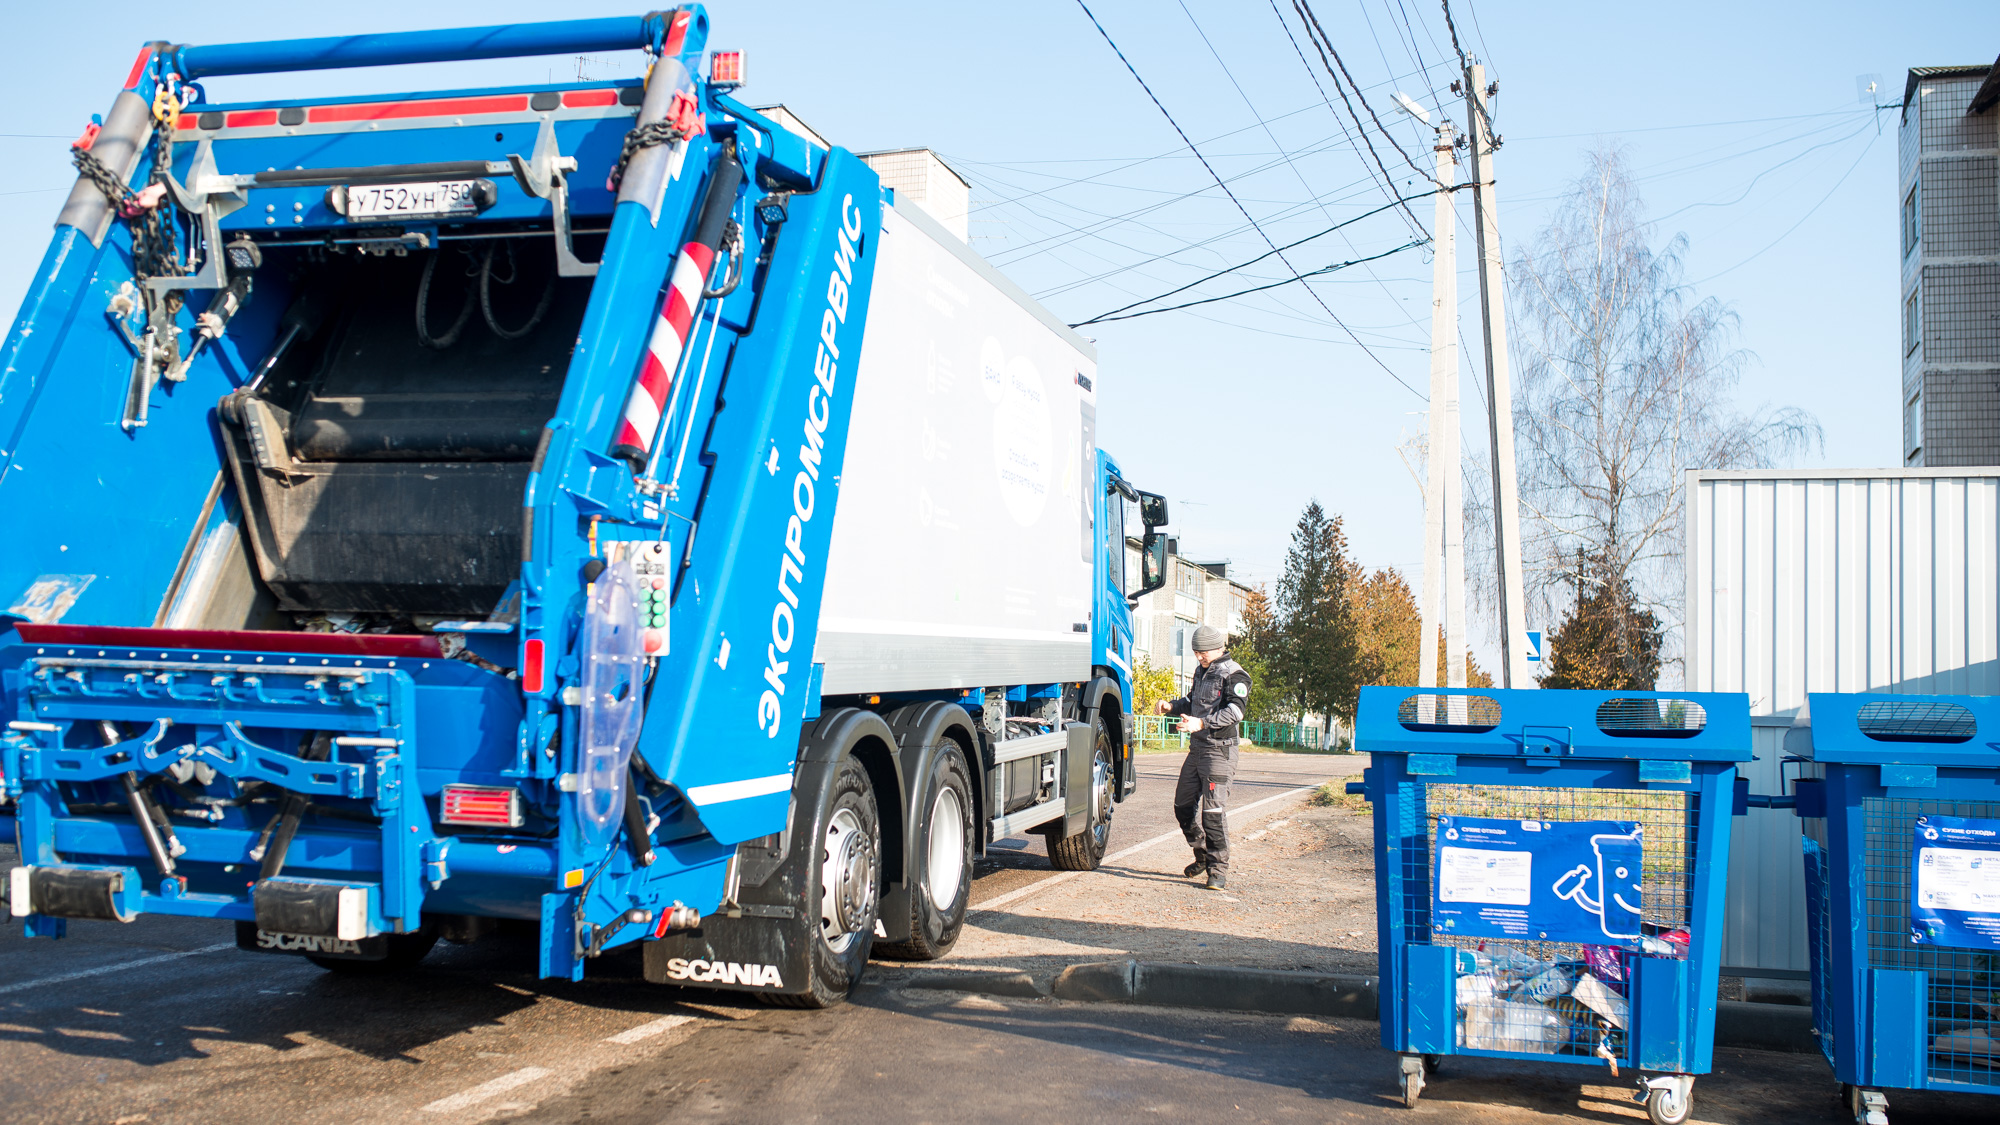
(1742, 120)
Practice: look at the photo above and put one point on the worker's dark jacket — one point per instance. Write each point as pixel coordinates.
(1216, 697)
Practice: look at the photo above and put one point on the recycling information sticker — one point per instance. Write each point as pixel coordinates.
(1955, 882)
(1538, 879)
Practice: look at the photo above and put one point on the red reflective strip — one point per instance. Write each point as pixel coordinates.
(676, 34)
(188, 121)
(531, 667)
(440, 107)
(243, 118)
(577, 99)
(138, 67)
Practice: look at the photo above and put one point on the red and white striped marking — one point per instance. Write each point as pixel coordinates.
(644, 410)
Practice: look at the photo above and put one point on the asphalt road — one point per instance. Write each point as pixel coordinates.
(163, 1020)
(1149, 812)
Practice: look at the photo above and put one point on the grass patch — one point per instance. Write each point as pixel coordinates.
(1334, 795)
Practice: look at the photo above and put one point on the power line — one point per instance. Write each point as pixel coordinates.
(1419, 232)
(1232, 195)
(1463, 62)
(1388, 181)
(1106, 318)
(1307, 13)
(1261, 257)
(1802, 219)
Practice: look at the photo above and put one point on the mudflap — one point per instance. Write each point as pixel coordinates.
(758, 943)
(746, 954)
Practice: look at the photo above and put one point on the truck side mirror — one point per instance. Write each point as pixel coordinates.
(1153, 511)
(1152, 564)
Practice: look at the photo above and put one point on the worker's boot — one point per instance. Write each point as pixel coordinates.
(1199, 865)
(1218, 879)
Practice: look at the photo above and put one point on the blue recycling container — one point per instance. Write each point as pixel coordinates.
(1900, 804)
(1549, 877)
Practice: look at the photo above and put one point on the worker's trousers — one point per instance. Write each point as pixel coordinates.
(1201, 803)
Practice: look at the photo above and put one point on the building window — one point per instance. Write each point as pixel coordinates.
(1913, 418)
(1191, 580)
(1911, 224)
(1912, 322)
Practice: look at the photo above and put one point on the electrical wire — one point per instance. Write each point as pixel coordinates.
(1261, 257)
(1232, 196)
(1326, 41)
(1108, 317)
(1417, 228)
(1802, 219)
(1463, 62)
(1388, 181)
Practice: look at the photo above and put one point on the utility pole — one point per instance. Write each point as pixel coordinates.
(1499, 390)
(1444, 520)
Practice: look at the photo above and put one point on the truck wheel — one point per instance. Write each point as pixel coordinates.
(941, 864)
(405, 952)
(1085, 850)
(844, 893)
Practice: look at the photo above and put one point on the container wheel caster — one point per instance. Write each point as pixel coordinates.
(1414, 1067)
(1669, 1098)
(1430, 1066)
(1870, 1107)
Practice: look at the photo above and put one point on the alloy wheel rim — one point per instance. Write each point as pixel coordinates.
(846, 880)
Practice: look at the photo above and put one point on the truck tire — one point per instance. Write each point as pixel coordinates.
(1085, 850)
(843, 898)
(405, 952)
(940, 866)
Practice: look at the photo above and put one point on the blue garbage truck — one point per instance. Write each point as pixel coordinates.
(595, 508)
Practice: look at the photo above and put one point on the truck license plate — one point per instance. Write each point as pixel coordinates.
(398, 201)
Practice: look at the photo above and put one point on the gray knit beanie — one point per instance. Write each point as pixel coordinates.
(1208, 638)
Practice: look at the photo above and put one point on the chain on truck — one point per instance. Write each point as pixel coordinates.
(598, 509)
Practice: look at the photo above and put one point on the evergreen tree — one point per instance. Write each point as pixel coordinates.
(1609, 642)
(1320, 662)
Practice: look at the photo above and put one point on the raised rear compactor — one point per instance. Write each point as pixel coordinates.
(590, 507)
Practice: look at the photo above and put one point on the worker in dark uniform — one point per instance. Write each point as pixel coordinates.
(1209, 714)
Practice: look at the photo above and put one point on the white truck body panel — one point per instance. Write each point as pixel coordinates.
(961, 552)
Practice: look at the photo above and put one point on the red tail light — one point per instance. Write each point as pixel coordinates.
(725, 69)
(484, 806)
(531, 667)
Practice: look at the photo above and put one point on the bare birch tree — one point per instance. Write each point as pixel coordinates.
(1624, 381)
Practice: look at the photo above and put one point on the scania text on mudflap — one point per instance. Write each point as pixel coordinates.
(597, 508)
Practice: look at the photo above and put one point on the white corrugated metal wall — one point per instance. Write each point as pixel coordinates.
(1845, 581)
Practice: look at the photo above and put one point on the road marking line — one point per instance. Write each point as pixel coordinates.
(648, 1030)
(1022, 892)
(468, 1098)
(120, 967)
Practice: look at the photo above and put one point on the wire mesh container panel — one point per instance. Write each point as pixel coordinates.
(1962, 1008)
(1534, 996)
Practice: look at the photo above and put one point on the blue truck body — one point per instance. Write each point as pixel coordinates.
(412, 607)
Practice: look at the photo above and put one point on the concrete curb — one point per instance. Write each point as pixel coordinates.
(1218, 987)
(992, 982)
(1763, 1027)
